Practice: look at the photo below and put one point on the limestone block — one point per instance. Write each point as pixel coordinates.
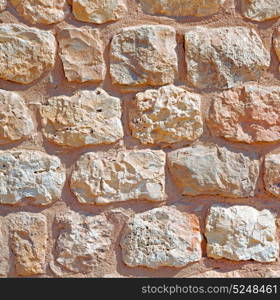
(167, 115)
(212, 170)
(241, 233)
(99, 11)
(246, 114)
(15, 118)
(86, 118)
(222, 57)
(144, 54)
(81, 52)
(180, 8)
(42, 11)
(83, 242)
(113, 176)
(161, 237)
(260, 10)
(26, 53)
(30, 175)
(272, 173)
(28, 235)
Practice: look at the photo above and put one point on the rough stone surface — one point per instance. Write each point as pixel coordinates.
(4, 252)
(225, 56)
(30, 174)
(161, 237)
(198, 8)
(42, 11)
(212, 170)
(28, 236)
(86, 118)
(113, 176)
(272, 173)
(81, 52)
(15, 118)
(276, 43)
(241, 233)
(25, 52)
(246, 114)
(99, 11)
(167, 115)
(260, 10)
(83, 242)
(144, 55)
(3, 4)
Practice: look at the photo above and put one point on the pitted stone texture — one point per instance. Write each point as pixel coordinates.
(15, 118)
(83, 242)
(86, 118)
(198, 8)
(272, 173)
(225, 56)
(161, 237)
(81, 52)
(276, 43)
(241, 233)
(99, 11)
(106, 177)
(213, 170)
(28, 235)
(29, 174)
(3, 4)
(260, 10)
(42, 11)
(4, 251)
(25, 52)
(167, 115)
(247, 114)
(144, 55)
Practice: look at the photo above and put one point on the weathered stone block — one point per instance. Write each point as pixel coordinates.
(83, 242)
(180, 8)
(276, 43)
(161, 237)
(99, 11)
(260, 10)
(167, 115)
(272, 173)
(26, 53)
(225, 56)
(86, 118)
(81, 52)
(114, 176)
(15, 118)
(247, 114)
(213, 170)
(241, 233)
(42, 11)
(30, 174)
(4, 251)
(28, 235)
(144, 55)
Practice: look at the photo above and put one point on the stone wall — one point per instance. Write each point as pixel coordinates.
(139, 138)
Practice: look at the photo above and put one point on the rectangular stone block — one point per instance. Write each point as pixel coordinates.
(28, 239)
(222, 57)
(143, 55)
(241, 233)
(114, 176)
(207, 169)
(161, 237)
